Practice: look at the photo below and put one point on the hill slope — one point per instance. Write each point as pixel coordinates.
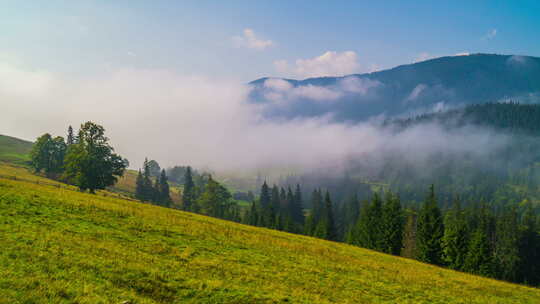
(63, 246)
(434, 84)
(14, 150)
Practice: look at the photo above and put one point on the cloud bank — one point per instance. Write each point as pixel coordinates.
(204, 122)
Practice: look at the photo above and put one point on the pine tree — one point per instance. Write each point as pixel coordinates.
(326, 228)
(478, 259)
(430, 230)
(506, 251)
(367, 232)
(188, 193)
(529, 248)
(70, 140)
(296, 209)
(164, 190)
(392, 225)
(148, 192)
(265, 196)
(454, 241)
(351, 212)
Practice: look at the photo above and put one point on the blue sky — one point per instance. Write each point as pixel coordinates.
(196, 37)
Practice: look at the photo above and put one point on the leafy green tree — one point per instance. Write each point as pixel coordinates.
(91, 164)
(188, 194)
(455, 237)
(430, 230)
(48, 155)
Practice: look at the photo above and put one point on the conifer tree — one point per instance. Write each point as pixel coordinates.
(430, 230)
(164, 190)
(506, 251)
(148, 192)
(296, 209)
(188, 193)
(70, 140)
(409, 235)
(326, 227)
(478, 259)
(265, 196)
(529, 248)
(454, 241)
(392, 225)
(367, 232)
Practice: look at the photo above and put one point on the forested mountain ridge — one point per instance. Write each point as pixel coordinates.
(421, 87)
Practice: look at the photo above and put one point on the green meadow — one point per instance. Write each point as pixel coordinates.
(59, 245)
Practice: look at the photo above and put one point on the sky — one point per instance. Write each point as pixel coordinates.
(167, 78)
(247, 40)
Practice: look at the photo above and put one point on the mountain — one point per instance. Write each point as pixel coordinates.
(428, 86)
(60, 245)
(14, 150)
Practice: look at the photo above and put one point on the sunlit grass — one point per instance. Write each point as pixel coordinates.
(59, 245)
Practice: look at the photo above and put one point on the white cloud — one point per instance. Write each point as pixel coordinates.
(282, 91)
(490, 35)
(328, 64)
(251, 41)
(462, 54)
(423, 57)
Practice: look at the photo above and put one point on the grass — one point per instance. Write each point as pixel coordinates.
(59, 245)
(14, 150)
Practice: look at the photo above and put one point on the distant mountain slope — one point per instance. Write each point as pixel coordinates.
(421, 87)
(14, 150)
(63, 246)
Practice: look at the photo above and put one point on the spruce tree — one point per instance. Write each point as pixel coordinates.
(188, 193)
(392, 225)
(506, 251)
(148, 188)
(529, 248)
(454, 241)
(296, 209)
(328, 219)
(367, 232)
(409, 235)
(164, 190)
(478, 259)
(70, 140)
(430, 230)
(265, 196)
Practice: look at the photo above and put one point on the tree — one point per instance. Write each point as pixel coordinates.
(70, 140)
(48, 155)
(367, 232)
(296, 210)
(506, 252)
(478, 259)
(91, 164)
(430, 230)
(265, 196)
(326, 227)
(164, 190)
(188, 194)
(154, 168)
(409, 235)
(454, 240)
(392, 225)
(529, 248)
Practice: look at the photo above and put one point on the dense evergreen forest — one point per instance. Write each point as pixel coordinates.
(477, 216)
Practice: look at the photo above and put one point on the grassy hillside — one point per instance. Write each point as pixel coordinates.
(63, 246)
(14, 150)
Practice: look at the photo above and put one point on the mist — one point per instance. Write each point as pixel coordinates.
(209, 123)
